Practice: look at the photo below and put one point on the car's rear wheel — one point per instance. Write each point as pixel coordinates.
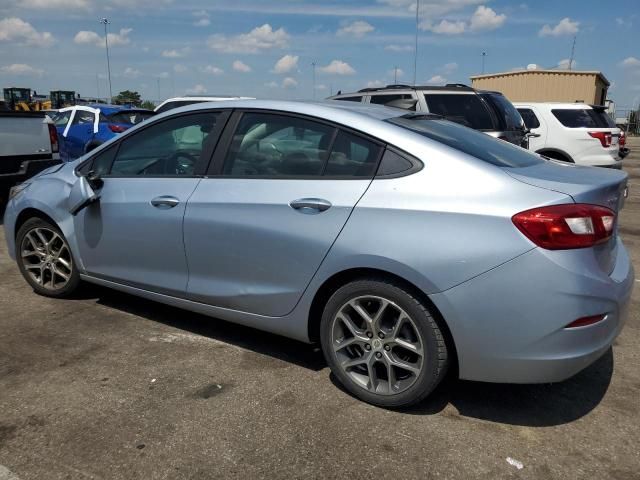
(45, 259)
(382, 343)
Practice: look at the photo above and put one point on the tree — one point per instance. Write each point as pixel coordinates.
(148, 104)
(128, 97)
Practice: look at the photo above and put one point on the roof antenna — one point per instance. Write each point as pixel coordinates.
(573, 49)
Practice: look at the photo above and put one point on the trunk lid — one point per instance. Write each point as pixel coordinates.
(596, 186)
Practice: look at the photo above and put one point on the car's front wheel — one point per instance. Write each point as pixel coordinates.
(382, 343)
(45, 259)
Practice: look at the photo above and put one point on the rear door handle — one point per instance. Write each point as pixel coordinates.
(310, 205)
(165, 202)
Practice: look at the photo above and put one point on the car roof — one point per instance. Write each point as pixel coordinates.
(450, 87)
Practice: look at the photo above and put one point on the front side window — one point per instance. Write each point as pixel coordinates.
(270, 145)
(465, 109)
(168, 148)
(530, 119)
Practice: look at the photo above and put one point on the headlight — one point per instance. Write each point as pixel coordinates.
(15, 191)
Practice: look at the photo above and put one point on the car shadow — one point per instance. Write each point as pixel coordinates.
(525, 405)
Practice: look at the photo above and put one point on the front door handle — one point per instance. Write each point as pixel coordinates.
(165, 202)
(310, 205)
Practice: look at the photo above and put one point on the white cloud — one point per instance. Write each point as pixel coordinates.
(17, 30)
(357, 29)
(289, 83)
(198, 89)
(337, 67)
(131, 72)
(85, 37)
(271, 85)
(163, 75)
(202, 18)
(564, 64)
(44, 4)
(375, 84)
(630, 62)
(175, 53)
(566, 26)
(485, 18)
(286, 64)
(437, 80)
(446, 27)
(202, 22)
(322, 86)
(395, 72)
(21, 69)
(257, 40)
(399, 48)
(239, 66)
(448, 68)
(212, 70)
(179, 68)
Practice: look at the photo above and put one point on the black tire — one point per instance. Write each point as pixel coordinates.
(434, 361)
(65, 289)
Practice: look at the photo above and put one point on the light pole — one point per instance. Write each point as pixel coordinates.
(415, 52)
(313, 66)
(395, 75)
(106, 22)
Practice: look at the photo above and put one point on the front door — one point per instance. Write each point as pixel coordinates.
(133, 234)
(258, 228)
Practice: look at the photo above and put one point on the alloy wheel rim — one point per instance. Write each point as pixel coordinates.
(46, 258)
(377, 344)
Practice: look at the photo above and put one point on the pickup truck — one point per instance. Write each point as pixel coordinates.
(28, 145)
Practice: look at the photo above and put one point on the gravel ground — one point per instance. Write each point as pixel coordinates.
(110, 386)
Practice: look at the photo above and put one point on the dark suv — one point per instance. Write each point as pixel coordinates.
(489, 112)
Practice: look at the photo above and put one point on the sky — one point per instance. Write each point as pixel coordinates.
(267, 48)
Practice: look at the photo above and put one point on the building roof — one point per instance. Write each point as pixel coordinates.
(540, 70)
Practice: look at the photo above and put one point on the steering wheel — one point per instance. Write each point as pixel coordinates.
(173, 165)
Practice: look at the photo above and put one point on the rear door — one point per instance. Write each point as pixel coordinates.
(279, 191)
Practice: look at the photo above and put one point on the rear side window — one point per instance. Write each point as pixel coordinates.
(504, 111)
(476, 144)
(466, 109)
(82, 117)
(530, 119)
(349, 99)
(398, 100)
(352, 156)
(582, 118)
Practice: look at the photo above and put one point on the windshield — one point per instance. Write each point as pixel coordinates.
(505, 111)
(466, 140)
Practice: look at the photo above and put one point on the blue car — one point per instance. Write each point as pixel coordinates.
(83, 128)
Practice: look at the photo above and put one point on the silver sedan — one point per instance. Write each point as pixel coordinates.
(406, 245)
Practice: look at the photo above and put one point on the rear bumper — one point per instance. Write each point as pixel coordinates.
(26, 169)
(508, 324)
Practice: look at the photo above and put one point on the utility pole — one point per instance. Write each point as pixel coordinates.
(395, 75)
(573, 50)
(158, 82)
(484, 54)
(106, 22)
(313, 66)
(97, 86)
(415, 51)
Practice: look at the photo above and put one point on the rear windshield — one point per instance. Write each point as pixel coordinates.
(505, 111)
(467, 109)
(476, 144)
(129, 118)
(583, 118)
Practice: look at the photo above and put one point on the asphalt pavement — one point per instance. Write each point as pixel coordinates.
(110, 386)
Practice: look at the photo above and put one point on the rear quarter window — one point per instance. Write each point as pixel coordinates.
(582, 118)
(349, 99)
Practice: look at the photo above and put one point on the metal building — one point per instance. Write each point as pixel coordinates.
(534, 85)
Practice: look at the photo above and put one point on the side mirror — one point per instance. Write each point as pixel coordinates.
(84, 192)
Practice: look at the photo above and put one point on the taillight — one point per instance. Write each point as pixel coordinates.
(117, 128)
(586, 321)
(53, 138)
(561, 227)
(622, 139)
(604, 137)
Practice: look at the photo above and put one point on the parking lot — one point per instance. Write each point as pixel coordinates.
(112, 386)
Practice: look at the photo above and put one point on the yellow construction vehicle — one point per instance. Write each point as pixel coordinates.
(20, 99)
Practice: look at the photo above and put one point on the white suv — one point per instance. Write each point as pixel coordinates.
(572, 132)
(188, 100)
